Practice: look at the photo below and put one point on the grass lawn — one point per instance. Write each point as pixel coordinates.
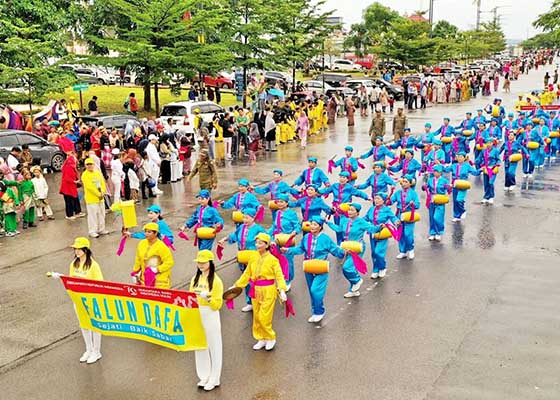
(110, 98)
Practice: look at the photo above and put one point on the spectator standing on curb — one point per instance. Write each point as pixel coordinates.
(92, 106)
(94, 190)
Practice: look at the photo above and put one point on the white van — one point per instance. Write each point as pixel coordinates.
(182, 114)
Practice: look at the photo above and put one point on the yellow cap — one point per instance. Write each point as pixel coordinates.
(89, 160)
(263, 237)
(204, 256)
(80, 243)
(151, 226)
(196, 110)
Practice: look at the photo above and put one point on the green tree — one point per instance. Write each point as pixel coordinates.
(300, 33)
(160, 39)
(377, 20)
(407, 42)
(546, 40)
(32, 34)
(250, 21)
(549, 21)
(445, 30)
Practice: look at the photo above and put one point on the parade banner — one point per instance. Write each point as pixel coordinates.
(168, 318)
(546, 108)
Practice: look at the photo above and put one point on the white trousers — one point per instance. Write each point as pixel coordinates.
(227, 144)
(176, 170)
(96, 217)
(91, 339)
(116, 187)
(209, 360)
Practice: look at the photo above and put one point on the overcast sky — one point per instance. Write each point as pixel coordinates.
(516, 15)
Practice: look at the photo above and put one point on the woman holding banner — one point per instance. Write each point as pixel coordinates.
(209, 290)
(85, 267)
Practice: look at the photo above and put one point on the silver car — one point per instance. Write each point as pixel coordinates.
(50, 154)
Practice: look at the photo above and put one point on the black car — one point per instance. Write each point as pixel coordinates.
(336, 80)
(117, 121)
(392, 65)
(395, 90)
(50, 154)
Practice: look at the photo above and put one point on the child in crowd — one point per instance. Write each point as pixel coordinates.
(27, 196)
(42, 191)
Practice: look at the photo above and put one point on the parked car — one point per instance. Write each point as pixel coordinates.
(317, 86)
(356, 83)
(91, 75)
(182, 114)
(345, 65)
(117, 121)
(395, 90)
(216, 81)
(50, 154)
(333, 79)
(392, 65)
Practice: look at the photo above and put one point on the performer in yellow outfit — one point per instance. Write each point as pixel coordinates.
(209, 290)
(153, 257)
(264, 275)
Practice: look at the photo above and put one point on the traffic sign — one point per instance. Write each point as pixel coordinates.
(80, 86)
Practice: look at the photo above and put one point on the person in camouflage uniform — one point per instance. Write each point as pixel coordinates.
(206, 169)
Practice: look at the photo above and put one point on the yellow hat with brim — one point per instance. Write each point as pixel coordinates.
(89, 161)
(204, 256)
(80, 243)
(263, 237)
(151, 226)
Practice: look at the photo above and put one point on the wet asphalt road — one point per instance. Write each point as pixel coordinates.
(473, 317)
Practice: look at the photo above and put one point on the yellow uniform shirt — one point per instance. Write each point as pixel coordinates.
(93, 181)
(262, 267)
(215, 302)
(93, 272)
(145, 251)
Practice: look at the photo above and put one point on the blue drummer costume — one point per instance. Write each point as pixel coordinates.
(286, 221)
(489, 160)
(311, 206)
(543, 133)
(243, 199)
(276, 187)
(379, 152)
(530, 135)
(460, 170)
(509, 148)
(406, 200)
(312, 175)
(406, 142)
(348, 164)
(379, 181)
(446, 131)
(434, 186)
(379, 216)
(408, 165)
(424, 141)
(353, 229)
(317, 247)
(342, 193)
(205, 217)
(467, 124)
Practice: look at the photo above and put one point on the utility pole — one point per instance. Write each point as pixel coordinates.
(478, 12)
(431, 14)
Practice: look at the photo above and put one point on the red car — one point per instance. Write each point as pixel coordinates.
(219, 81)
